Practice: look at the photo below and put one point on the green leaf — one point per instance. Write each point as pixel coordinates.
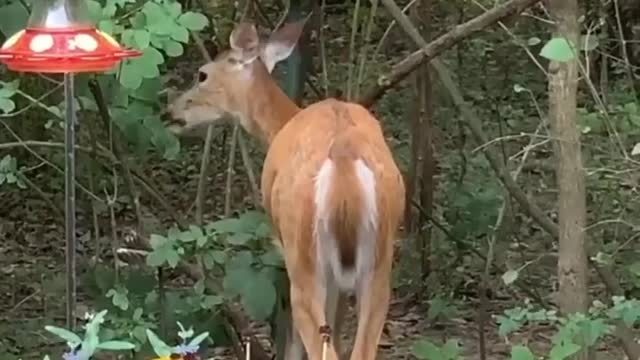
(119, 298)
(198, 339)
(142, 38)
(154, 13)
(108, 27)
(426, 350)
(165, 253)
(129, 76)
(263, 231)
(207, 259)
(9, 89)
(91, 341)
(259, 297)
(533, 41)
(180, 33)
(520, 352)
(116, 345)
(589, 43)
(273, 257)
(517, 88)
(145, 67)
(71, 338)
(95, 11)
(563, 350)
(157, 240)
(242, 259)
(11, 178)
(138, 20)
(196, 231)
(174, 9)
(219, 256)
(211, 301)
(7, 162)
(153, 56)
(239, 239)
(235, 280)
(451, 349)
(7, 105)
(558, 49)
(225, 226)
(184, 333)
(13, 18)
(149, 90)
(173, 48)
(510, 276)
(193, 21)
(508, 325)
(159, 347)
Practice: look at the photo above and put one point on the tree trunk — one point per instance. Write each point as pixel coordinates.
(421, 170)
(572, 253)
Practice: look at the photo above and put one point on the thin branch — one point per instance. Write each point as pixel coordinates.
(352, 50)
(230, 170)
(37, 102)
(103, 111)
(56, 209)
(49, 163)
(399, 71)
(365, 47)
(246, 160)
(323, 50)
(384, 36)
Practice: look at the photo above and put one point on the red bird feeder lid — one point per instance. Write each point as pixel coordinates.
(60, 39)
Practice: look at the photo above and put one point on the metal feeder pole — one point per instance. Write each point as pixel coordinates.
(70, 199)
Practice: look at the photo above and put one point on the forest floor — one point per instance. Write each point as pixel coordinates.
(32, 285)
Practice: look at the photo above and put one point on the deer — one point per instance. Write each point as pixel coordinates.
(329, 184)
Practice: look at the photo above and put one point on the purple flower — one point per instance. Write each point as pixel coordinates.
(71, 355)
(185, 349)
(75, 354)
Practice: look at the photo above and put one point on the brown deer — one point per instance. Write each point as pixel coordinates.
(329, 183)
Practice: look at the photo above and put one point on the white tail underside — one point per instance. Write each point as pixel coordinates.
(328, 257)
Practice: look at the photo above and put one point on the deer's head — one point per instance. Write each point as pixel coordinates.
(229, 86)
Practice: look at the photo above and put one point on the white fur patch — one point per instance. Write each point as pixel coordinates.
(326, 245)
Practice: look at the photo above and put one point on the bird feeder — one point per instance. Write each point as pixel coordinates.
(60, 38)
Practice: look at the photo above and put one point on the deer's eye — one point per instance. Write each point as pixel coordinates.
(202, 76)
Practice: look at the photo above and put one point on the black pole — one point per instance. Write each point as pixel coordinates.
(70, 199)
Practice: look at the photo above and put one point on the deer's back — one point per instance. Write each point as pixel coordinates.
(299, 149)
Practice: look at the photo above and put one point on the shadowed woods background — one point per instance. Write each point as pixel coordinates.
(518, 141)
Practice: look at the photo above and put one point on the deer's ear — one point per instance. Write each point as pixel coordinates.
(282, 42)
(244, 41)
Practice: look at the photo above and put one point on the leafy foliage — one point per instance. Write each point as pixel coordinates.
(233, 246)
(85, 348)
(426, 350)
(9, 172)
(7, 90)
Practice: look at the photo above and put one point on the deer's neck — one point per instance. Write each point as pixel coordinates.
(268, 108)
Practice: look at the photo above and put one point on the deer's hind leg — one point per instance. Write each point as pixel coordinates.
(373, 294)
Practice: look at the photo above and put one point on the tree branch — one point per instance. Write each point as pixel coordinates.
(399, 71)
